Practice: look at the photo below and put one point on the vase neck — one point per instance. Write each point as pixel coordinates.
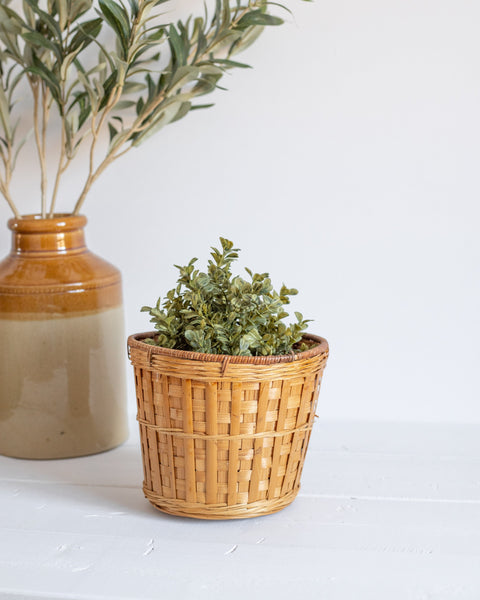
(62, 234)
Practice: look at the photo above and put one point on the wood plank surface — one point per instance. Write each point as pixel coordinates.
(385, 511)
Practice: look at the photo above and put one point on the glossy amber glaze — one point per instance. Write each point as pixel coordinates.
(50, 272)
(62, 368)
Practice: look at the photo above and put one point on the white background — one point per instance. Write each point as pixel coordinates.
(345, 164)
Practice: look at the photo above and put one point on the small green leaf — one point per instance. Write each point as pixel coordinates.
(46, 19)
(201, 106)
(217, 312)
(112, 131)
(124, 104)
(184, 109)
(108, 87)
(177, 46)
(118, 19)
(85, 34)
(230, 63)
(133, 87)
(62, 7)
(50, 80)
(5, 114)
(37, 39)
(79, 8)
(258, 18)
(184, 75)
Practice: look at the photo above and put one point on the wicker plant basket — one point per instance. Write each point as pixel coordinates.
(224, 437)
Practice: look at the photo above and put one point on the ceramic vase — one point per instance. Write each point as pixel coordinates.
(62, 367)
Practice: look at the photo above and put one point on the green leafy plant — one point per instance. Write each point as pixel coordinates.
(219, 313)
(109, 66)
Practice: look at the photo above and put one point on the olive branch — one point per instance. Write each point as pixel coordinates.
(149, 76)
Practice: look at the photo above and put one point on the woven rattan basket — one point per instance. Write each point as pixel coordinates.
(224, 437)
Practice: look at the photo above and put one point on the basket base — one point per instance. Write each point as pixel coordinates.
(219, 512)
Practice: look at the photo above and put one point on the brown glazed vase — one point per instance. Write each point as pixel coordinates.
(62, 367)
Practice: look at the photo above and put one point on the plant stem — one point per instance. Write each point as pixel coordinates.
(95, 175)
(63, 160)
(96, 129)
(62, 166)
(5, 181)
(40, 147)
(45, 111)
(6, 194)
(142, 120)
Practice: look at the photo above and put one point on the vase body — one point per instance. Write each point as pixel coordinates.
(62, 370)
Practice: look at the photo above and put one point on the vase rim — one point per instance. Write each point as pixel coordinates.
(35, 223)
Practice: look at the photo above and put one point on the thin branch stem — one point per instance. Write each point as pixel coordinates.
(63, 159)
(93, 173)
(6, 194)
(107, 161)
(6, 156)
(8, 164)
(62, 167)
(141, 122)
(39, 143)
(96, 129)
(45, 113)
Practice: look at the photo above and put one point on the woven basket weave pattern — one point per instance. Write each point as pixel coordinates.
(224, 440)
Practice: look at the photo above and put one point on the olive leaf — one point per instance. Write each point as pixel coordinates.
(148, 74)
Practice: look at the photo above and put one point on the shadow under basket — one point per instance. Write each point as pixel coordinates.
(224, 437)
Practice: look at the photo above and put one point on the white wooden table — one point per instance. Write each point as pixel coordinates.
(386, 512)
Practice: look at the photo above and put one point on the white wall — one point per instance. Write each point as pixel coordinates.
(346, 164)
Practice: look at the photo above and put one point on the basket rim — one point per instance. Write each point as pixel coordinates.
(135, 341)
